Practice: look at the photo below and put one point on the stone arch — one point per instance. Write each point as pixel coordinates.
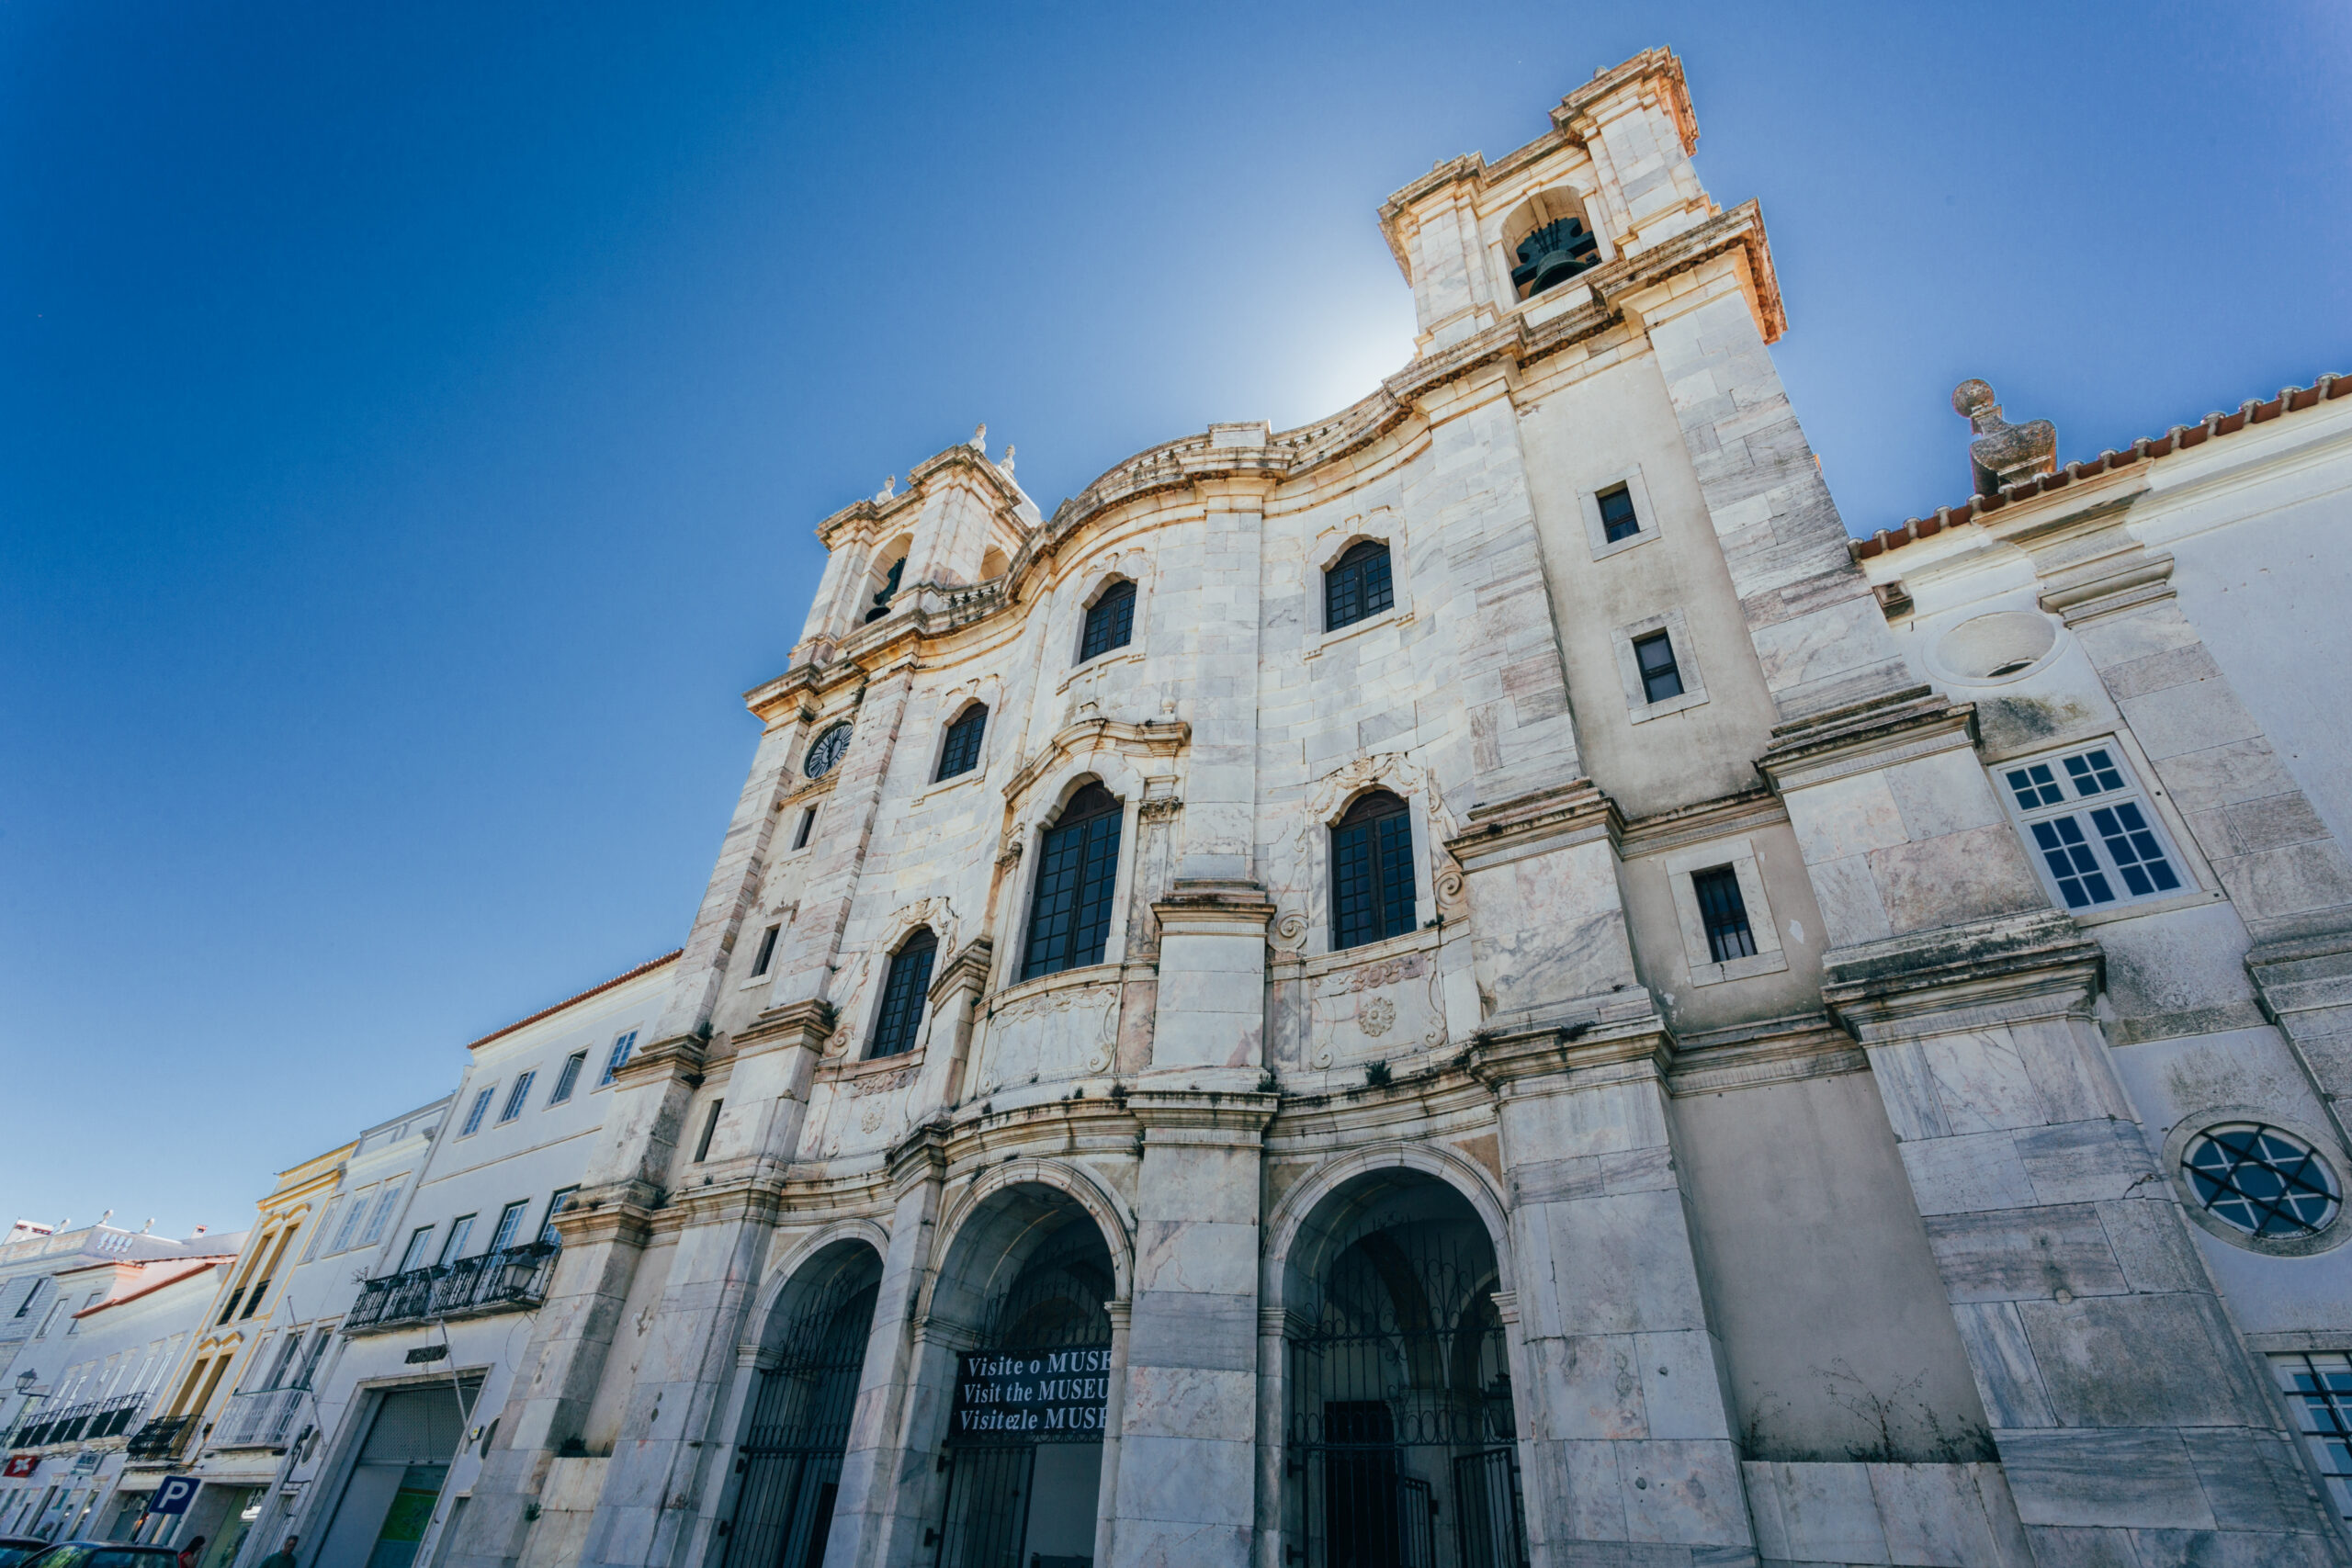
(968, 1225)
(1285, 1225)
(895, 552)
(779, 1281)
(1551, 205)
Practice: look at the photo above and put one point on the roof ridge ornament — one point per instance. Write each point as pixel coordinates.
(2003, 454)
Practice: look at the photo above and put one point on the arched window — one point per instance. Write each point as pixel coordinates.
(1372, 872)
(961, 754)
(1110, 621)
(1357, 586)
(1070, 918)
(903, 992)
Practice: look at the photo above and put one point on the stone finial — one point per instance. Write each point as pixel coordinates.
(2003, 454)
(1005, 463)
(979, 442)
(889, 488)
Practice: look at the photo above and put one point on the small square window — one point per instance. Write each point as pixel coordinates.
(1618, 519)
(1653, 654)
(767, 950)
(2094, 856)
(1724, 913)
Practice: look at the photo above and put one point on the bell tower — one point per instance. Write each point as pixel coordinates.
(1480, 241)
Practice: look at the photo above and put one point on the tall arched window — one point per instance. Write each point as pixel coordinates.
(1372, 872)
(1357, 585)
(903, 992)
(961, 753)
(1070, 918)
(1110, 621)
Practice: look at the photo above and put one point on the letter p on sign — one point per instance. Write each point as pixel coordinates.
(174, 1494)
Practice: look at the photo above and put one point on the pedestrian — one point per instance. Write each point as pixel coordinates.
(191, 1553)
(282, 1558)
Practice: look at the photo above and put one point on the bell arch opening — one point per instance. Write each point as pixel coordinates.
(1028, 1289)
(1399, 1427)
(797, 1422)
(1547, 240)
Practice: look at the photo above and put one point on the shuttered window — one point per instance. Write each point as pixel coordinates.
(1069, 918)
(1372, 872)
(903, 993)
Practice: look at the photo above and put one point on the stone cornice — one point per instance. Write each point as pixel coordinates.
(1697, 824)
(960, 461)
(794, 1023)
(1169, 1116)
(1501, 831)
(2037, 965)
(1147, 740)
(1215, 908)
(968, 970)
(603, 1214)
(1865, 736)
(1784, 1050)
(680, 1056)
(1591, 1050)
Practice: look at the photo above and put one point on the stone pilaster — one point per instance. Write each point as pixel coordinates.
(1626, 1434)
(1185, 1487)
(1819, 635)
(2131, 1425)
(1216, 641)
(1212, 997)
(1547, 922)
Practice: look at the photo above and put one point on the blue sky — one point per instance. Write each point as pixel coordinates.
(412, 418)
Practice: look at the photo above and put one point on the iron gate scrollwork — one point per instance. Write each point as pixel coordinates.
(790, 1459)
(1399, 1432)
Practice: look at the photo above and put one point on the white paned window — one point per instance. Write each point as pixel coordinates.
(619, 1057)
(510, 1220)
(2318, 1385)
(474, 1116)
(418, 1240)
(2093, 834)
(351, 1218)
(568, 1080)
(455, 1248)
(381, 1216)
(555, 1205)
(517, 1097)
(319, 1231)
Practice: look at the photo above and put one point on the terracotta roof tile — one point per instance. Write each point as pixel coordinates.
(646, 967)
(2179, 438)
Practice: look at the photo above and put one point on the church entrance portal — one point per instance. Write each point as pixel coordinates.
(1024, 1439)
(789, 1463)
(1399, 1429)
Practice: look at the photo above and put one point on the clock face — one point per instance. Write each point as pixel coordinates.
(826, 751)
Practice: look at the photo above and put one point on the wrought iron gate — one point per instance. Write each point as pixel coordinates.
(790, 1461)
(1399, 1437)
(1055, 1305)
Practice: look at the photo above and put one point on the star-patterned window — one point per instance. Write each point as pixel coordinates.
(2261, 1180)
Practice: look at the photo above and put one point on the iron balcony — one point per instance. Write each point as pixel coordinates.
(513, 1280)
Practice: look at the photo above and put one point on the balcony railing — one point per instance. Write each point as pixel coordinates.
(259, 1418)
(79, 1423)
(162, 1438)
(512, 1280)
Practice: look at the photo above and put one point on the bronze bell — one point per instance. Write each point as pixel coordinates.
(1554, 254)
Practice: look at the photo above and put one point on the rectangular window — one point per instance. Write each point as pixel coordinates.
(413, 1255)
(961, 752)
(568, 1080)
(510, 1220)
(455, 1248)
(767, 950)
(1654, 656)
(1724, 913)
(1372, 873)
(709, 1126)
(517, 1097)
(318, 1231)
(619, 1057)
(808, 822)
(31, 1295)
(2319, 1389)
(2098, 841)
(74, 1326)
(382, 1215)
(903, 994)
(1617, 518)
(1110, 621)
(474, 1116)
(1078, 867)
(349, 1231)
(557, 1205)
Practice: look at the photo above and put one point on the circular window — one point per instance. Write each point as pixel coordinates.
(1997, 646)
(826, 751)
(2261, 1180)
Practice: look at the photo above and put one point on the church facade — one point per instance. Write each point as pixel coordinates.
(1473, 985)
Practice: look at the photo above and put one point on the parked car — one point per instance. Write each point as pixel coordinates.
(15, 1549)
(102, 1554)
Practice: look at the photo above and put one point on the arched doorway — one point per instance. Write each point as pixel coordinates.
(789, 1466)
(1400, 1430)
(1023, 1444)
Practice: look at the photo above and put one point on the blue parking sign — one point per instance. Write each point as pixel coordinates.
(173, 1494)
